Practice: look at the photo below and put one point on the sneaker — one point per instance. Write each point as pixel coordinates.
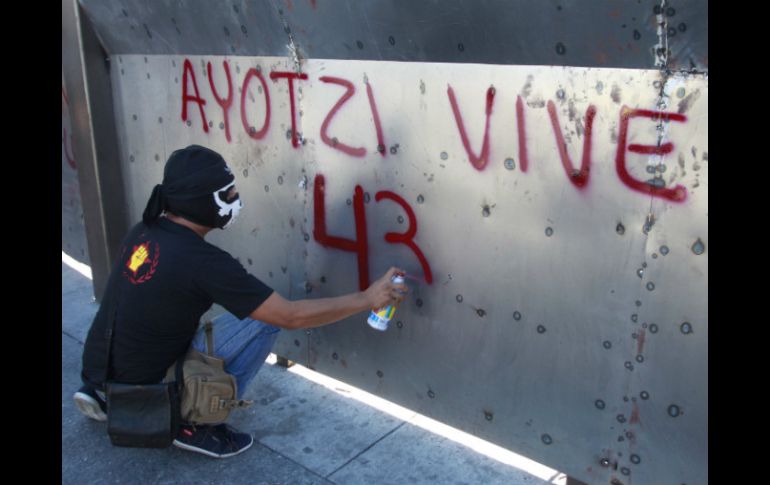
(220, 441)
(91, 403)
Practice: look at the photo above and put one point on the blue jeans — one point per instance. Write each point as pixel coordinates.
(242, 344)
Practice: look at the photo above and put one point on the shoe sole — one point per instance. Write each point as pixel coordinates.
(89, 407)
(184, 446)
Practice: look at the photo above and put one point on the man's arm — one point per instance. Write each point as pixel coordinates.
(294, 315)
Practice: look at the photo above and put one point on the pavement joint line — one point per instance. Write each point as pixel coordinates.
(72, 337)
(295, 462)
(367, 449)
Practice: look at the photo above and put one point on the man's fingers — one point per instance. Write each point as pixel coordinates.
(392, 272)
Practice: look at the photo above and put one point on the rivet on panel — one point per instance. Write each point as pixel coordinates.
(674, 411)
(698, 247)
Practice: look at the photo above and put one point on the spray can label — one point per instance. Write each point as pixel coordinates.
(379, 319)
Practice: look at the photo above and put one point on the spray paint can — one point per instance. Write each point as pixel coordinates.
(379, 319)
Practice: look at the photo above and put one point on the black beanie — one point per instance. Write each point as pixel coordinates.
(190, 173)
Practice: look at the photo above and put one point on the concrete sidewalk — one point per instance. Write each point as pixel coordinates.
(307, 430)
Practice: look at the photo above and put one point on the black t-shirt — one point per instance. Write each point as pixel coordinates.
(164, 279)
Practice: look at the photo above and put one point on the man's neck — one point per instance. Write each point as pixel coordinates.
(199, 230)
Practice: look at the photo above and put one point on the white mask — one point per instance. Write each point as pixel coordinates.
(228, 211)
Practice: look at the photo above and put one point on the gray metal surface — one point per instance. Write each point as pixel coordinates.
(73, 230)
(537, 331)
(565, 317)
(86, 81)
(609, 33)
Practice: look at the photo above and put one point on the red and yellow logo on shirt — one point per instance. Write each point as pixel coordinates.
(142, 263)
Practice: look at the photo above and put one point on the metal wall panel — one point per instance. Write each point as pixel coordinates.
(86, 81)
(590, 33)
(73, 231)
(565, 322)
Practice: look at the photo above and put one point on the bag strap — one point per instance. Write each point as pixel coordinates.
(209, 328)
(108, 336)
(179, 368)
(217, 404)
(179, 372)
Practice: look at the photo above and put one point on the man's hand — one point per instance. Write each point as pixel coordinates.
(384, 292)
(293, 315)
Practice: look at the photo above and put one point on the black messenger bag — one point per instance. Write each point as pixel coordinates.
(143, 416)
